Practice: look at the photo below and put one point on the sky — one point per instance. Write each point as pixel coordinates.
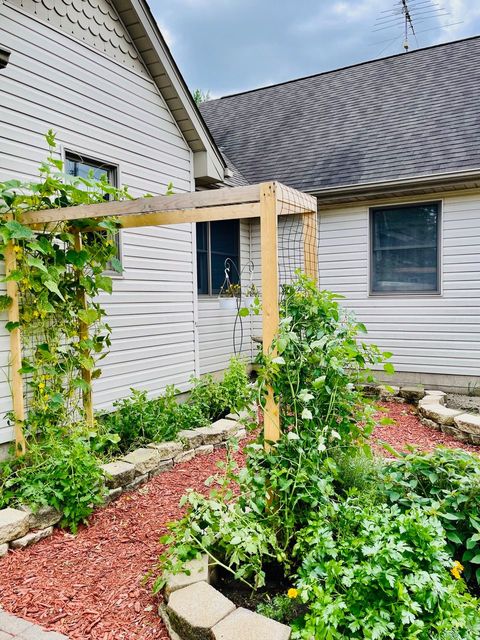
(228, 46)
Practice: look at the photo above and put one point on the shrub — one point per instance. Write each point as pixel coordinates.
(60, 471)
(446, 483)
(373, 572)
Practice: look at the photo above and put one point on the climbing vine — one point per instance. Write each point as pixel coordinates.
(60, 271)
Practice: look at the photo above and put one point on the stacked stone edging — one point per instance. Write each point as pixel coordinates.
(21, 527)
(195, 610)
(431, 409)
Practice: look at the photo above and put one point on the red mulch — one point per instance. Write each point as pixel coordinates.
(89, 586)
(409, 431)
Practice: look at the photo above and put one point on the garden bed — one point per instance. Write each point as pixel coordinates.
(89, 586)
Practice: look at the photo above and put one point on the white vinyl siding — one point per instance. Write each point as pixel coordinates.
(216, 327)
(427, 334)
(105, 111)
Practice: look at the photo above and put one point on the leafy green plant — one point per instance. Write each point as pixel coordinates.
(371, 571)
(60, 471)
(445, 483)
(284, 608)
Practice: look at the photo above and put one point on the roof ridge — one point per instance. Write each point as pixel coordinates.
(349, 66)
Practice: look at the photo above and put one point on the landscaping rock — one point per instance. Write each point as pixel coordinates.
(193, 438)
(195, 571)
(3, 549)
(204, 450)
(241, 434)
(428, 400)
(31, 538)
(243, 624)
(438, 413)
(185, 456)
(118, 473)
(455, 433)
(113, 494)
(13, 524)
(430, 423)
(387, 392)
(166, 450)
(219, 431)
(42, 518)
(474, 439)
(411, 393)
(144, 460)
(468, 422)
(436, 393)
(136, 482)
(162, 610)
(195, 609)
(165, 465)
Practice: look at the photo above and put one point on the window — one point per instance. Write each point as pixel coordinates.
(80, 167)
(405, 249)
(217, 241)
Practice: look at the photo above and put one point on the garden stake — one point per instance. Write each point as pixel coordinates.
(15, 352)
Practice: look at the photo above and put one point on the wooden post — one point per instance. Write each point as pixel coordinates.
(269, 262)
(310, 248)
(83, 334)
(15, 353)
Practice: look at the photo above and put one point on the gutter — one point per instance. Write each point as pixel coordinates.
(390, 185)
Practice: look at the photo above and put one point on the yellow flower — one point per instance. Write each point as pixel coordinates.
(35, 314)
(457, 569)
(292, 593)
(41, 385)
(17, 249)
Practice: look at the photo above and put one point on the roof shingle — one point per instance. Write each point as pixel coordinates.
(414, 114)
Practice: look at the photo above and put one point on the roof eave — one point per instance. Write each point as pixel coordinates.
(209, 165)
(402, 187)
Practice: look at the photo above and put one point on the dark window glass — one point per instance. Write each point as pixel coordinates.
(405, 249)
(217, 241)
(80, 167)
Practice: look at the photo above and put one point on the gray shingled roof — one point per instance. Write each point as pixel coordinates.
(409, 115)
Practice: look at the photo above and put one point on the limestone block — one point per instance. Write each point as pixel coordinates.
(219, 431)
(192, 438)
(243, 624)
(13, 524)
(31, 538)
(468, 422)
(185, 456)
(195, 609)
(204, 450)
(388, 391)
(195, 571)
(438, 413)
(42, 518)
(412, 394)
(3, 549)
(136, 482)
(144, 460)
(428, 400)
(455, 433)
(164, 465)
(118, 473)
(430, 423)
(113, 494)
(166, 450)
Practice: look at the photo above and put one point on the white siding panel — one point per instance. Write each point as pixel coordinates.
(427, 334)
(112, 113)
(218, 330)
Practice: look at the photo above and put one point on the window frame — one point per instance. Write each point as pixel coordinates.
(406, 294)
(114, 179)
(210, 293)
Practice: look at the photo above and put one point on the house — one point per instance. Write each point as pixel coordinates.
(391, 150)
(100, 74)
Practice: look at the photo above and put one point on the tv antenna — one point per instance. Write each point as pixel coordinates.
(407, 15)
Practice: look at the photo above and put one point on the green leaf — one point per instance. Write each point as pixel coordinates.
(53, 287)
(243, 312)
(5, 302)
(104, 283)
(88, 316)
(77, 258)
(116, 265)
(10, 326)
(37, 263)
(389, 368)
(476, 559)
(18, 231)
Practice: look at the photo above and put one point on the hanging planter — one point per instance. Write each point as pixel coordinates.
(229, 297)
(251, 296)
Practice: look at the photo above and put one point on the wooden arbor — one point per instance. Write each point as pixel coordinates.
(265, 201)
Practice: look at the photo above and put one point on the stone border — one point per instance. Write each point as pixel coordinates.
(195, 610)
(463, 426)
(22, 527)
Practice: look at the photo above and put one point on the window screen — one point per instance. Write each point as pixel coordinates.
(405, 249)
